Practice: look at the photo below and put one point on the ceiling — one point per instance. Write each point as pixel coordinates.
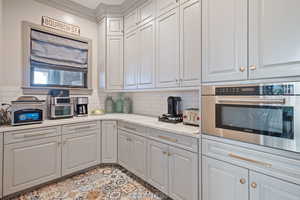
(93, 4)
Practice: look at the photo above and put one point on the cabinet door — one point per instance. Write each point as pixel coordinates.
(183, 174)
(124, 149)
(158, 165)
(147, 56)
(224, 40)
(131, 21)
(114, 61)
(139, 155)
(190, 40)
(167, 49)
(114, 26)
(274, 38)
(80, 151)
(109, 141)
(146, 12)
(263, 187)
(131, 60)
(223, 181)
(163, 6)
(28, 164)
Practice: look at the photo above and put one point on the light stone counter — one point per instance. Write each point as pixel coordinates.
(150, 122)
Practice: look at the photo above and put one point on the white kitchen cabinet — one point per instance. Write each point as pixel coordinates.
(109, 142)
(146, 71)
(158, 165)
(80, 150)
(164, 6)
(114, 26)
(167, 49)
(114, 62)
(131, 21)
(183, 174)
(131, 59)
(274, 38)
(190, 40)
(139, 156)
(30, 163)
(146, 12)
(225, 40)
(263, 187)
(124, 149)
(223, 181)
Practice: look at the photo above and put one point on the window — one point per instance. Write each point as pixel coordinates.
(55, 60)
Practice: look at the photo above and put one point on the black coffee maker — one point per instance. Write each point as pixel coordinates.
(174, 111)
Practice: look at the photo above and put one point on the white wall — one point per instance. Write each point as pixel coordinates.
(15, 11)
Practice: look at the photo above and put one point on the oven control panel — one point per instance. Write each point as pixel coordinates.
(255, 90)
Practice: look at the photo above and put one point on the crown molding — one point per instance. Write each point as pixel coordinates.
(95, 15)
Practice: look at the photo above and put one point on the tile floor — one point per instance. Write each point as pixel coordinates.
(102, 183)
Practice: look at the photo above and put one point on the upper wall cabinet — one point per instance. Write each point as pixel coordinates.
(146, 12)
(131, 60)
(190, 43)
(167, 49)
(225, 40)
(274, 38)
(114, 26)
(114, 62)
(164, 6)
(131, 21)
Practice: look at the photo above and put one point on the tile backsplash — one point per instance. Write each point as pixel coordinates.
(144, 103)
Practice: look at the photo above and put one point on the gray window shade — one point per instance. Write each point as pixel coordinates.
(58, 51)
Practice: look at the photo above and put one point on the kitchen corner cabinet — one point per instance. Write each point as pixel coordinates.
(81, 147)
(109, 142)
(190, 43)
(224, 26)
(223, 181)
(274, 39)
(31, 157)
(114, 62)
(167, 49)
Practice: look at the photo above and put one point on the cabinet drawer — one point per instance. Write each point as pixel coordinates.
(134, 128)
(273, 165)
(30, 134)
(184, 142)
(81, 127)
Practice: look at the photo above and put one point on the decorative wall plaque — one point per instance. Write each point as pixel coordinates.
(59, 25)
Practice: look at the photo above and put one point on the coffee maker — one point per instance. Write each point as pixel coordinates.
(81, 106)
(174, 111)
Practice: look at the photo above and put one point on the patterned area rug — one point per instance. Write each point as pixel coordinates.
(103, 183)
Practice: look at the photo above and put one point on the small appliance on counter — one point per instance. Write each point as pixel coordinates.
(174, 111)
(60, 104)
(81, 106)
(191, 116)
(27, 110)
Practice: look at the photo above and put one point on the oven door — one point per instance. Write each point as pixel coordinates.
(265, 120)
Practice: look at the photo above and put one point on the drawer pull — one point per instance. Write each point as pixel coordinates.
(254, 185)
(167, 138)
(242, 181)
(35, 134)
(250, 160)
(130, 128)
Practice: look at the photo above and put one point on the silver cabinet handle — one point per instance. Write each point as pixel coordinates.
(263, 101)
(250, 160)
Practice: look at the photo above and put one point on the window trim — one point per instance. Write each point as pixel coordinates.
(27, 27)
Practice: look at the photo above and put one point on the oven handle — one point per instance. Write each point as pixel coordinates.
(258, 101)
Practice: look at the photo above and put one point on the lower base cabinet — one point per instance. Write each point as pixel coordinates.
(80, 151)
(30, 163)
(222, 181)
(173, 171)
(109, 148)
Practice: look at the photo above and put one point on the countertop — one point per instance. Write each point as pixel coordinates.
(150, 122)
